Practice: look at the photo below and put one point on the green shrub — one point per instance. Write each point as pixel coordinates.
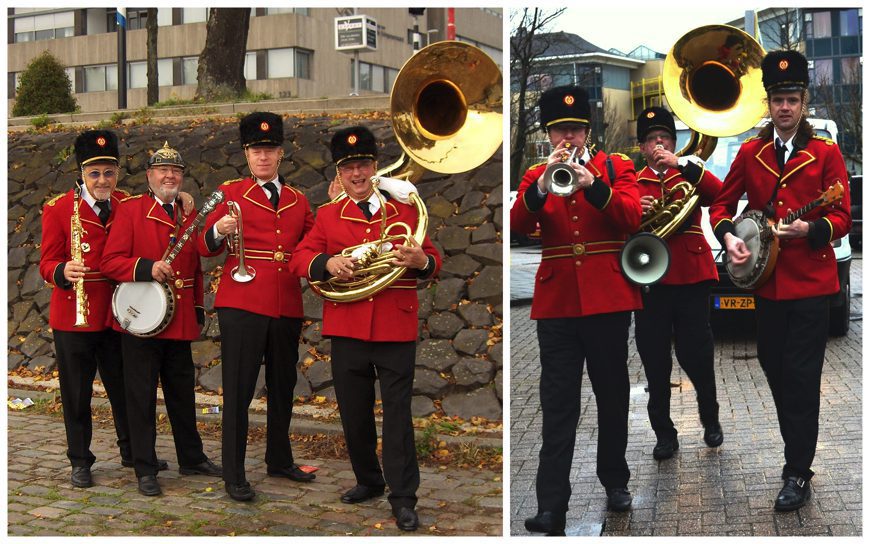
(44, 88)
(40, 121)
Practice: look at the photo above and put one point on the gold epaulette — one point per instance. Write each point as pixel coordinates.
(132, 197)
(230, 182)
(750, 139)
(125, 192)
(330, 202)
(822, 138)
(532, 167)
(622, 156)
(54, 199)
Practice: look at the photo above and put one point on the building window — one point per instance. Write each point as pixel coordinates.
(849, 22)
(43, 27)
(189, 67)
(137, 19)
(164, 73)
(21, 37)
(101, 78)
(137, 75)
(194, 15)
(821, 73)
(373, 77)
(303, 64)
(288, 62)
(850, 70)
(298, 11)
(822, 24)
(251, 65)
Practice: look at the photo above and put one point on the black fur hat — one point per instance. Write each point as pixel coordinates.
(261, 129)
(96, 145)
(784, 71)
(655, 118)
(353, 143)
(566, 104)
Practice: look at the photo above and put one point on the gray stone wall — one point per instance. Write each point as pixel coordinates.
(459, 355)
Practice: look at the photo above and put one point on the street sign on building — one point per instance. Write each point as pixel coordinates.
(356, 32)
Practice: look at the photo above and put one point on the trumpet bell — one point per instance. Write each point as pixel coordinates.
(712, 80)
(562, 179)
(446, 107)
(245, 277)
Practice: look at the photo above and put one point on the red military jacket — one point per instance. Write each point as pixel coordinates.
(142, 233)
(803, 268)
(270, 238)
(389, 316)
(691, 257)
(581, 237)
(56, 250)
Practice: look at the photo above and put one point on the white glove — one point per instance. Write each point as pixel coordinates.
(398, 188)
(682, 161)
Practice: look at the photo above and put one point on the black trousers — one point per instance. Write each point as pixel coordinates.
(170, 361)
(355, 367)
(602, 342)
(79, 355)
(792, 335)
(681, 312)
(246, 340)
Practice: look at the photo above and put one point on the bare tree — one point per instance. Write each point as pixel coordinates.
(528, 24)
(781, 29)
(221, 71)
(616, 139)
(846, 112)
(151, 56)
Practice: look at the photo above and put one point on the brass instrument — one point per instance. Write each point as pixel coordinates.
(712, 81)
(236, 242)
(77, 232)
(446, 111)
(560, 178)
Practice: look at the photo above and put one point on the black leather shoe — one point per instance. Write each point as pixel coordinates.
(551, 523)
(360, 493)
(713, 435)
(794, 494)
(665, 448)
(206, 468)
(81, 477)
(294, 473)
(240, 492)
(161, 464)
(148, 486)
(406, 518)
(618, 499)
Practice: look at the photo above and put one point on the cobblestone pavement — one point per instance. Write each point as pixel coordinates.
(700, 491)
(41, 500)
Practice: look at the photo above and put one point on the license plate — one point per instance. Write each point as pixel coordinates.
(734, 303)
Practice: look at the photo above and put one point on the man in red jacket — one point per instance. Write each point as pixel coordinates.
(260, 318)
(146, 227)
(81, 350)
(678, 305)
(582, 303)
(373, 338)
(782, 169)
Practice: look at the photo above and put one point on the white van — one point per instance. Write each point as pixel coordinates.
(725, 296)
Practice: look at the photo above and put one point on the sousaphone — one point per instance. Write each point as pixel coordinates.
(712, 81)
(446, 111)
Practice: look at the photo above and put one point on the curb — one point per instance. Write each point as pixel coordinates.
(299, 424)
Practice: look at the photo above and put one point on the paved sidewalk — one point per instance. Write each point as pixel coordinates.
(702, 491)
(41, 500)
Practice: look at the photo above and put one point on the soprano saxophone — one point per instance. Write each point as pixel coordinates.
(76, 234)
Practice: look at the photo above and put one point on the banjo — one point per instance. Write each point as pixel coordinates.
(145, 308)
(757, 232)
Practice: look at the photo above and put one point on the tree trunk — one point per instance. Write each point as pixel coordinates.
(220, 75)
(151, 57)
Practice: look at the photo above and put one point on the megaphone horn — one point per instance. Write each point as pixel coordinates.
(644, 259)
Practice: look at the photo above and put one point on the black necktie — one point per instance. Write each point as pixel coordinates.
(103, 205)
(364, 206)
(780, 154)
(168, 208)
(273, 193)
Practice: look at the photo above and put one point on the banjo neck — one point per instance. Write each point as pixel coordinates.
(797, 214)
(216, 198)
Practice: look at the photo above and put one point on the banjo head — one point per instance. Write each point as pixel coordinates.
(755, 231)
(143, 308)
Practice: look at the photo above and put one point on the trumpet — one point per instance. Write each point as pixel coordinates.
(560, 178)
(240, 273)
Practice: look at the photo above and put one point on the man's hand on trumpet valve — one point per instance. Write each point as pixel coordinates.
(341, 267)
(73, 271)
(411, 256)
(226, 225)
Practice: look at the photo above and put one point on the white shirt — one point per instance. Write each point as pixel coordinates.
(92, 202)
(274, 181)
(789, 144)
(374, 203)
